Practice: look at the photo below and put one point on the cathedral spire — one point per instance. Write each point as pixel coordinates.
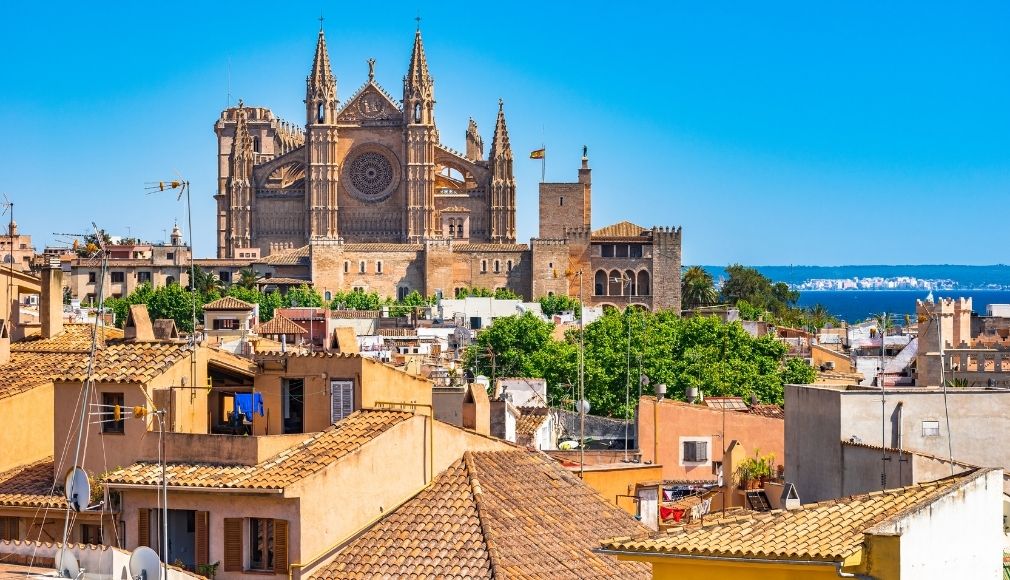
(502, 206)
(500, 146)
(321, 87)
(418, 87)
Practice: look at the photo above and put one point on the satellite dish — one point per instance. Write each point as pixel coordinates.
(145, 564)
(66, 564)
(78, 489)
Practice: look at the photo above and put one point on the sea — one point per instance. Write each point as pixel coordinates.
(983, 284)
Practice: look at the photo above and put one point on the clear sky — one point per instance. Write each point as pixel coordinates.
(774, 133)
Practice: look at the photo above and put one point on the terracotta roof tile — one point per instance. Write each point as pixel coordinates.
(504, 514)
(74, 338)
(30, 486)
(489, 247)
(623, 229)
(280, 325)
(771, 411)
(277, 472)
(283, 281)
(530, 420)
(295, 257)
(382, 247)
(826, 531)
(228, 303)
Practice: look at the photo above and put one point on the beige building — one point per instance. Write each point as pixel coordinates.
(367, 197)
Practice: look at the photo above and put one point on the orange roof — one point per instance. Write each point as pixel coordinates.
(623, 229)
(280, 324)
(501, 514)
(529, 422)
(74, 338)
(289, 257)
(228, 303)
(287, 467)
(828, 531)
(30, 486)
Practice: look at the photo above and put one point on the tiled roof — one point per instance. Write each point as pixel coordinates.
(623, 229)
(828, 531)
(117, 362)
(530, 420)
(228, 303)
(277, 472)
(770, 411)
(74, 338)
(282, 281)
(489, 247)
(293, 257)
(280, 325)
(30, 486)
(502, 514)
(382, 247)
(398, 332)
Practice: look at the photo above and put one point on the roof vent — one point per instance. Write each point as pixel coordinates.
(789, 499)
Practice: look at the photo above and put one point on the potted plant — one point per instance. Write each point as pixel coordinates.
(745, 473)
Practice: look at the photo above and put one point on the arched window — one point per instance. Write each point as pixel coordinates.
(508, 266)
(629, 283)
(483, 266)
(256, 144)
(328, 296)
(452, 228)
(615, 287)
(361, 267)
(459, 230)
(497, 266)
(347, 266)
(319, 113)
(643, 284)
(170, 280)
(417, 113)
(561, 201)
(600, 288)
(378, 266)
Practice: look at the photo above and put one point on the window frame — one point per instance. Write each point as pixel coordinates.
(268, 546)
(933, 429)
(108, 426)
(690, 451)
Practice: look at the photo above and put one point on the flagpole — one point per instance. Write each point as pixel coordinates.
(543, 164)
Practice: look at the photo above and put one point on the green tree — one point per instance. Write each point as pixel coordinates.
(797, 371)
(207, 282)
(247, 278)
(303, 295)
(558, 303)
(92, 243)
(356, 300)
(171, 301)
(697, 288)
(408, 305)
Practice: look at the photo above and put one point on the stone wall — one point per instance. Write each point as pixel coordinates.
(666, 268)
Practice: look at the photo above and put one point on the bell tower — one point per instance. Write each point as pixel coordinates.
(420, 136)
(322, 171)
(502, 200)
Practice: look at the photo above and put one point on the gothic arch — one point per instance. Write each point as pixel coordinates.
(600, 283)
(287, 176)
(615, 285)
(644, 283)
(629, 283)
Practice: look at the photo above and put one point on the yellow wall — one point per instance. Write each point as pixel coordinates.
(664, 568)
(611, 483)
(883, 558)
(26, 427)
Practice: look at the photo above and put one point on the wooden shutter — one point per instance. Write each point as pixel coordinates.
(202, 543)
(144, 527)
(341, 399)
(280, 546)
(233, 544)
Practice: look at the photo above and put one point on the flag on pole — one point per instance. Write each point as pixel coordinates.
(538, 153)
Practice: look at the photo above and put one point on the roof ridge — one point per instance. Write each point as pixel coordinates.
(478, 500)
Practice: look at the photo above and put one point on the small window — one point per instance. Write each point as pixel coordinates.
(169, 280)
(9, 529)
(261, 543)
(91, 534)
(109, 402)
(358, 289)
(930, 428)
(483, 266)
(402, 292)
(225, 323)
(561, 201)
(91, 277)
(319, 113)
(256, 144)
(621, 251)
(143, 277)
(341, 399)
(118, 277)
(328, 296)
(378, 267)
(225, 276)
(170, 256)
(347, 267)
(607, 250)
(695, 451)
(508, 266)
(452, 229)
(497, 266)
(636, 251)
(361, 267)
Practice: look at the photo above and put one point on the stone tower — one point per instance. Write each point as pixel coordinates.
(420, 136)
(567, 206)
(323, 169)
(240, 191)
(502, 194)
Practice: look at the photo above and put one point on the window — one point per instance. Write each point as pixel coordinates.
(143, 277)
(319, 113)
(169, 280)
(109, 401)
(452, 228)
(483, 266)
(225, 323)
(91, 534)
(347, 267)
(328, 296)
(361, 267)
(636, 251)
(508, 266)
(417, 113)
(497, 266)
(225, 276)
(91, 277)
(930, 428)
(261, 544)
(378, 267)
(256, 144)
(561, 201)
(358, 289)
(9, 529)
(170, 256)
(118, 277)
(695, 451)
(607, 250)
(401, 292)
(341, 399)
(293, 405)
(621, 251)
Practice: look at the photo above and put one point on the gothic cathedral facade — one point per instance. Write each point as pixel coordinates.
(365, 196)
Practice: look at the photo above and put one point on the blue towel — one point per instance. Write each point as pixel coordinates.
(249, 403)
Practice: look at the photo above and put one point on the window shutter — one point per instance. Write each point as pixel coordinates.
(202, 544)
(341, 399)
(144, 527)
(280, 546)
(233, 544)
(702, 451)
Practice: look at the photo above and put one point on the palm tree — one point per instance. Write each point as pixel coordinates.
(247, 278)
(697, 288)
(819, 316)
(206, 282)
(884, 323)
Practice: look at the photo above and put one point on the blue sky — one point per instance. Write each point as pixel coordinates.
(774, 133)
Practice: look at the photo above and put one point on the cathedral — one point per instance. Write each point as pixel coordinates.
(366, 197)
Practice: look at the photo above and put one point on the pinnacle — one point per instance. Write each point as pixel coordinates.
(418, 74)
(500, 145)
(321, 72)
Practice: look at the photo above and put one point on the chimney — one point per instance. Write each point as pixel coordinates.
(138, 326)
(790, 500)
(5, 343)
(51, 301)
